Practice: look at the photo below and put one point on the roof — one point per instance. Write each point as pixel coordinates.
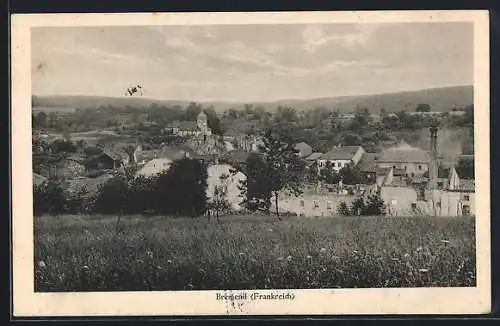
(112, 155)
(368, 162)
(314, 156)
(303, 148)
(188, 126)
(404, 155)
(341, 153)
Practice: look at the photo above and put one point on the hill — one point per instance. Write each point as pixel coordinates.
(440, 99)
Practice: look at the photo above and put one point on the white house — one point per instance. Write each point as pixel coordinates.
(342, 156)
(234, 196)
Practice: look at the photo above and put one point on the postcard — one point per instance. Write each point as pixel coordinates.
(284, 163)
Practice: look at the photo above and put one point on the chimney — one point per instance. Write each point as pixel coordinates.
(433, 165)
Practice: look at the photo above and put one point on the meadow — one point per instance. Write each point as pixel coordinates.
(88, 253)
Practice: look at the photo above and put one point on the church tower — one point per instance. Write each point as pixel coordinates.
(202, 123)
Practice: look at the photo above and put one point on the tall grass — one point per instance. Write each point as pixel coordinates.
(75, 253)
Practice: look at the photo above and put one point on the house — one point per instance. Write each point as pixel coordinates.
(405, 159)
(313, 202)
(304, 150)
(433, 194)
(369, 169)
(221, 175)
(173, 152)
(342, 156)
(190, 128)
(155, 167)
(106, 160)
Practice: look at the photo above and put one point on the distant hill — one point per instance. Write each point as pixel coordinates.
(440, 99)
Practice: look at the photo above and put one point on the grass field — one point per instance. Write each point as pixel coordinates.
(76, 253)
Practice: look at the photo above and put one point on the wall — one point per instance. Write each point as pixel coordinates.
(311, 205)
(418, 169)
(399, 202)
(398, 199)
(336, 164)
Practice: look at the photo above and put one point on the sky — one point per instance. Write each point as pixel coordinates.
(251, 62)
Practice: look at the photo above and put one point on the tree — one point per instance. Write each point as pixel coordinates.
(374, 206)
(283, 169)
(219, 202)
(182, 189)
(358, 206)
(49, 197)
(192, 111)
(255, 188)
(41, 120)
(465, 168)
(350, 175)
(313, 173)
(213, 121)
(328, 174)
(423, 108)
(343, 209)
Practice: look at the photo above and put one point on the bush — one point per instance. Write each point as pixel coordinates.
(49, 198)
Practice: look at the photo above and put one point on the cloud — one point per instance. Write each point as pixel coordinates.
(259, 62)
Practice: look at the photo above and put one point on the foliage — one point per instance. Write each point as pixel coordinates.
(182, 189)
(219, 203)
(465, 168)
(329, 175)
(350, 175)
(372, 205)
(49, 197)
(255, 187)
(283, 169)
(251, 252)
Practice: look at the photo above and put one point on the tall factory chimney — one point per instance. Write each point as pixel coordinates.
(433, 165)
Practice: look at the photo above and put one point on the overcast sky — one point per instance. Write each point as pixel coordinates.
(251, 62)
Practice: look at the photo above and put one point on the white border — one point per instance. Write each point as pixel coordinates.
(309, 302)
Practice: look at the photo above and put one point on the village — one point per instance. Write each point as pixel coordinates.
(409, 180)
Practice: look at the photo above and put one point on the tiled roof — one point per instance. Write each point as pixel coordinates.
(314, 156)
(188, 126)
(368, 162)
(341, 153)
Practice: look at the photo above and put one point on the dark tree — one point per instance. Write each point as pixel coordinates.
(192, 111)
(328, 174)
(350, 175)
(343, 209)
(423, 108)
(465, 168)
(182, 189)
(255, 188)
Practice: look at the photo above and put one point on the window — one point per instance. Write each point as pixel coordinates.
(420, 167)
(466, 197)
(438, 204)
(465, 210)
(328, 205)
(315, 204)
(413, 205)
(405, 167)
(302, 203)
(393, 166)
(440, 184)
